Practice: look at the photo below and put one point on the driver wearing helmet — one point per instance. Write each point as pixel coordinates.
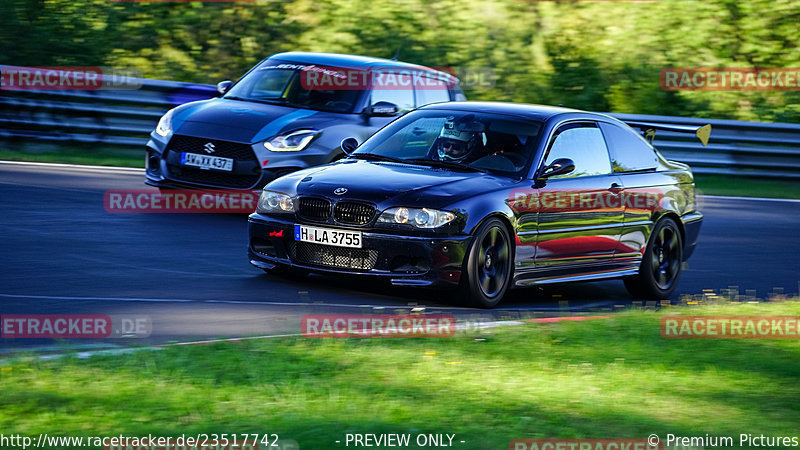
(458, 146)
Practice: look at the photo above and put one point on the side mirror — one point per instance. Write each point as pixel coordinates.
(383, 109)
(349, 145)
(223, 86)
(560, 166)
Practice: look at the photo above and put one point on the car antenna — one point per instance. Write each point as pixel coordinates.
(397, 53)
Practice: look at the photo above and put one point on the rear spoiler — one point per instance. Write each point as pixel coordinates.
(648, 130)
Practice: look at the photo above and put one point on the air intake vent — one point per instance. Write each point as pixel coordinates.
(314, 209)
(353, 213)
(340, 257)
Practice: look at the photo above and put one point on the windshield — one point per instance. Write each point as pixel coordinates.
(278, 82)
(473, 141)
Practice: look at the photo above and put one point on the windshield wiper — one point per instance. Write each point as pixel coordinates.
(269, 101)
(377, 157)
(446, 164)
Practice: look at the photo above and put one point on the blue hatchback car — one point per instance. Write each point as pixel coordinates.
(289, 112)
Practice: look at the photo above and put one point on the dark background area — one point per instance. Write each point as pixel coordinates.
(595, 55)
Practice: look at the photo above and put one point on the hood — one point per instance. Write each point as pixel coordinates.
(242, 121)
(389, 184)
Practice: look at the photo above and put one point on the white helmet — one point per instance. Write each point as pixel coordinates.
(455, 145)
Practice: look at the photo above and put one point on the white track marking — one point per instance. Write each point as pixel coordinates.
(51, 188)
(758, 199)
(122, 351)
(136, 169)
(73, 166)
(176, 300)
(268, 303)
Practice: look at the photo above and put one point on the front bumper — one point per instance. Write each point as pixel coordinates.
(163, 168)
(404, 260)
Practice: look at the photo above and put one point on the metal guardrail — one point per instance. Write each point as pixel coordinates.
(124, 118)
(116, 117)
(757, 149)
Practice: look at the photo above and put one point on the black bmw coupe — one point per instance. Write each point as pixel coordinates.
(483, 197)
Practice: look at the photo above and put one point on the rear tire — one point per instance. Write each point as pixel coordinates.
(661, 264)
(486, 274)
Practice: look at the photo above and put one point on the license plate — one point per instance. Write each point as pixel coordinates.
(327, 236)
(207, 162)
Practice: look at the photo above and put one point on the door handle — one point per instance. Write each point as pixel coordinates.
(615, 188)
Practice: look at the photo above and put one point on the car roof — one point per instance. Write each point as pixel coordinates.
(528, 111)
(355, 62)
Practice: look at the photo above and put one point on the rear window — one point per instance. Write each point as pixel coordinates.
(628, 151)
(433, 94)
(403, 98)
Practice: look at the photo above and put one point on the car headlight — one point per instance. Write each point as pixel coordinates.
(272, 202)
(420, 218)
(164, 126)
(292, 142)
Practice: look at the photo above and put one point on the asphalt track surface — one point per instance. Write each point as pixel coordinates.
(62, 253)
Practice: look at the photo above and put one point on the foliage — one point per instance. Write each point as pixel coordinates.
(603, 56)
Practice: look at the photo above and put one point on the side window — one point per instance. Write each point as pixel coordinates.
(390, 89)
(582, 143)
(628, 151)
(431, 94)
(459, 95)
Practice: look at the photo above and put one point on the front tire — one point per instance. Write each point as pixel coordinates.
(661, 264)
(487, 266)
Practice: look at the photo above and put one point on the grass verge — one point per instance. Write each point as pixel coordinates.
(746, 186)
(614, 378)
(89, 156)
